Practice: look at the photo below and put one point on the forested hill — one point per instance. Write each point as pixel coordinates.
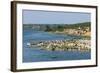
(53, 27)
(85, 24)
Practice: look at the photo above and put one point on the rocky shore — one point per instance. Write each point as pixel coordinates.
(63, 45)
(77, 32)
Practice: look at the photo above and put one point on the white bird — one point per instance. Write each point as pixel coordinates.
(28, 44)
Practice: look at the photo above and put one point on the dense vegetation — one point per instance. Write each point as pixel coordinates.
(54, 27)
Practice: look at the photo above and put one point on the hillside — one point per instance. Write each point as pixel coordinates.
(56, 27)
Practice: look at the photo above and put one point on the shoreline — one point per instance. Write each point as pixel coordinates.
(87, 37)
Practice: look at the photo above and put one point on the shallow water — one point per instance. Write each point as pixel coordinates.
(35, 54)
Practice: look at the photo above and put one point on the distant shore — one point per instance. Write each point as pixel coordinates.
(75, 32)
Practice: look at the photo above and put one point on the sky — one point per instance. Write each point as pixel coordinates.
(53, 17)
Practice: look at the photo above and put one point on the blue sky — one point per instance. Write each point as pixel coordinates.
(51, 17)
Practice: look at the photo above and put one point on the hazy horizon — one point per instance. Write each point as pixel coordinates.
(58, 23)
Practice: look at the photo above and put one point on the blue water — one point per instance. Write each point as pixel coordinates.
(36, 55)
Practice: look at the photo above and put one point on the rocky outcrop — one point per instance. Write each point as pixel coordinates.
(65, 45)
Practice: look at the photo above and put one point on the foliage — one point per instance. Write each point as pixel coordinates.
(56, 27)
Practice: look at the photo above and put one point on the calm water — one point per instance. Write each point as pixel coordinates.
(36, 55)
